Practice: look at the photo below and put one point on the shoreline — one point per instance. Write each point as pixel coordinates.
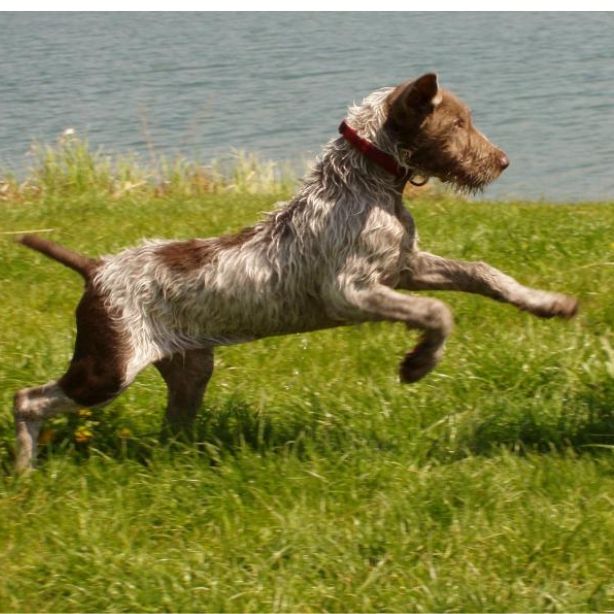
(71, 166)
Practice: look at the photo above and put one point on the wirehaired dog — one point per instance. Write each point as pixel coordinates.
(334, 255)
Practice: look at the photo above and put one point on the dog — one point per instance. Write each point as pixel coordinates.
(334, 255)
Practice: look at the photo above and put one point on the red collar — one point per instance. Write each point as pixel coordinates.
(381, 158)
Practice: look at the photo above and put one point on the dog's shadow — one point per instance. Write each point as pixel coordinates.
(237, 426)
(219, 431)
(584, 424)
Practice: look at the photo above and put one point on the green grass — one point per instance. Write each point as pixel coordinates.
(318, 482)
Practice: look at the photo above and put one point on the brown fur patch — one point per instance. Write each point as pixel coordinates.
(97, 369)
(186, 256)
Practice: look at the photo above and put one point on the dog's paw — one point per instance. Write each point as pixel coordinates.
(558, 306)
(416, 365)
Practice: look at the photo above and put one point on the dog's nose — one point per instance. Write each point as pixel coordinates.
(504, 161)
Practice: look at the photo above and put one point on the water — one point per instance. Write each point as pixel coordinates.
(541, 85)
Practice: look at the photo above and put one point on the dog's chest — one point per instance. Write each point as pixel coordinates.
(387, 233)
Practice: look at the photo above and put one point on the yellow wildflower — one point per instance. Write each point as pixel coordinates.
(83, 434)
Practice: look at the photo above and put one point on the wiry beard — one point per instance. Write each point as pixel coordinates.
(464, 182)
(466, 185)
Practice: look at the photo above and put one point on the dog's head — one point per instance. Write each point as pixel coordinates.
(434, 134)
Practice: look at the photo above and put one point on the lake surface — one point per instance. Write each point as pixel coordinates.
(541, 85)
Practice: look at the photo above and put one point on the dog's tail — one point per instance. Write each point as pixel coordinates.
(77, 262)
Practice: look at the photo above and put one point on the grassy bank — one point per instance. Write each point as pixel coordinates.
(318, 483)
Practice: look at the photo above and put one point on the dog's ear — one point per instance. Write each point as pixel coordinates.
(422, 95)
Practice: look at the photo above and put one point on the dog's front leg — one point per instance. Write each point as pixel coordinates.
(430, 272)
(432, 317)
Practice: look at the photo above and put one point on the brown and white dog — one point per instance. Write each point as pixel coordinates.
(334, 255)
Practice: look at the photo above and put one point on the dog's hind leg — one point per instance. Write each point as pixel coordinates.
(32, 406)
(186, 375)
(428, 315)
(91, 380)
(97, 373)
